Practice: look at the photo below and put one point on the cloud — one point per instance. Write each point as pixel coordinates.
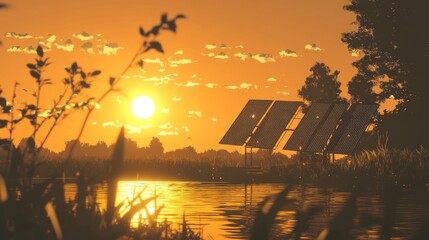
(214, 119)
(160, 80)
(165, 110)
(221, 55)
(224, 46)
(28, 49)
(129, 128)
(271, 79)
(288, 53)
(245, 85)
(83, 36)
(242, 56)
(264, 58)
(231, 87)
(155, 60)
(168, 133)
(180, 52)
(188, 84)
(49, 40)
(186, 129)
(19, 35)
(312, 47)
(210, 46)
(239, 46)
(211, 85)
(87, 47)
(111, 49)
(166, 125)
(175, 63)
(283, 93)
(241, 86)
(194, 113)
(176, 99)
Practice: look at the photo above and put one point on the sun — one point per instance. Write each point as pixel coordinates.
(143, 107)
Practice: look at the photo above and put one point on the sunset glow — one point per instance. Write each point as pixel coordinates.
(217, 60)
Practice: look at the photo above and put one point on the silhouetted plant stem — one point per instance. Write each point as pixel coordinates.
(111, 89)
(12, 124)
(56, 118)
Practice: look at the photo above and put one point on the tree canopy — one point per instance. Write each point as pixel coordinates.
(321, 86)
(393, 42)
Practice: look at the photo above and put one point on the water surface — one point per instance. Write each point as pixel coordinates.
(226, 211)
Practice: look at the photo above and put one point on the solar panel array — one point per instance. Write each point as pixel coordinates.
(306, 128)
(351, 130)
(272, 126)
(323, 122)
(326, 129)
(246, 122)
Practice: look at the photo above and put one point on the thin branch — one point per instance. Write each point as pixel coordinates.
(130, 64)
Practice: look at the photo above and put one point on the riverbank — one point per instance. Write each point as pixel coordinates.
(403, 168)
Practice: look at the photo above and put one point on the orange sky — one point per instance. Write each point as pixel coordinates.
(201, 82)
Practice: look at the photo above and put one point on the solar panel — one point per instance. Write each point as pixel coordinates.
(274, 123)
(246, 122)
(307, 127)
(327, 128)
(352, 128)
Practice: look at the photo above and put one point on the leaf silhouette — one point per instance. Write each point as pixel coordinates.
(31, 66)
(39, 51)
(111, 81)
(164, 18)
(180, 16)
(3, 123)
(157, 46)
(31, 107)
(95, 73)
(141, 31)
(83, 75)
(140, 63)
(172, 26)
(35, 74)
(154, 31)
(2, 102)
(74, 67)
(84, 84)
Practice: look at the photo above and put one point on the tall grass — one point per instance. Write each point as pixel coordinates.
(401, 167)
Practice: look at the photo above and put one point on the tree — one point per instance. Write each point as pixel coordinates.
(156, 149)
(321, 86)
(394, 45)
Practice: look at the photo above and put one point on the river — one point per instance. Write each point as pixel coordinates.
(226, 210)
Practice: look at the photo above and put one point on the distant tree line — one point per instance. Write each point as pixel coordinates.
(155, 150)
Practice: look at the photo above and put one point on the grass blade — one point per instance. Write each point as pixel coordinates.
(54, 220)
